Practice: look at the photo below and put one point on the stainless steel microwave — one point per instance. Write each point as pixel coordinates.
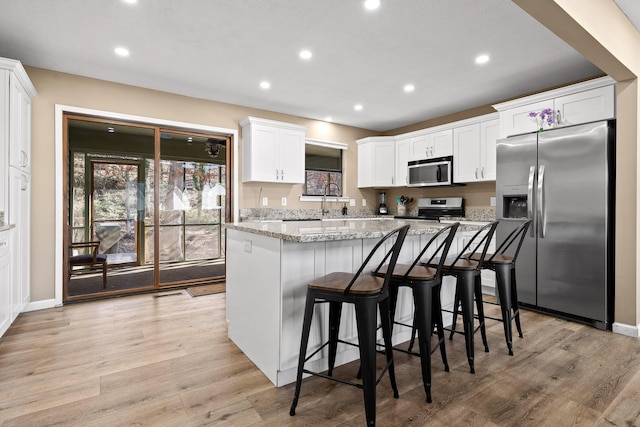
(430, 172)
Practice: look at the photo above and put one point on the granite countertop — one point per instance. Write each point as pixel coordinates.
(337, 229)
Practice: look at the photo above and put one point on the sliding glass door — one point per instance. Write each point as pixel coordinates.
(153, 198)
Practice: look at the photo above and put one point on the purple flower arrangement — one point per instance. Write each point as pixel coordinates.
(544, 117)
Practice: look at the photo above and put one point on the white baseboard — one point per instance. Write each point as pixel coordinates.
(40, 305)
(628, 330)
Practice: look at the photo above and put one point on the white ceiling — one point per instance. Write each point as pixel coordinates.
(222, 49)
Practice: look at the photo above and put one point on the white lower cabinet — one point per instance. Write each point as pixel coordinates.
(5, 280)
(19, 215)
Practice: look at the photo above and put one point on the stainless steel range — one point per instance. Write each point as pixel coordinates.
(434, 209)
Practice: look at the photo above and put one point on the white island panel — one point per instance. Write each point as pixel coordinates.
(267, 277)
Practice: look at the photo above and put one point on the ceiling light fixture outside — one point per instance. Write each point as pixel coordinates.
(358, 107)
(482, 59)
(305, 54)
(372, 4)
(265, 85)
(121, 51)
(409, 88)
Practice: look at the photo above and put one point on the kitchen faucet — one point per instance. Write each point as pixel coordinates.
(324, 197)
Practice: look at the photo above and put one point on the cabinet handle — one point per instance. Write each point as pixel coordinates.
(558, 118)
(482, 172)
(282, 174)
(277, 175)
(476, 173)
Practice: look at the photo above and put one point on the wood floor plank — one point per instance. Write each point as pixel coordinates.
(166, 361)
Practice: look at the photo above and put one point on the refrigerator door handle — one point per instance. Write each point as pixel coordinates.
(541, 211)
(532, 176)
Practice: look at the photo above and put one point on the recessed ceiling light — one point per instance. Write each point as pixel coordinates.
(121, 51)
(130, 1)
(265, 85)
(305, 54)
(482, 59)
(357, 107)
(328, 119)
(409, 88)
(371, 4)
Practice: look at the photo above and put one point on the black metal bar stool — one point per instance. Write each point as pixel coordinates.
(468, 284)
(366, 291)
(425, 283)
(503, 262)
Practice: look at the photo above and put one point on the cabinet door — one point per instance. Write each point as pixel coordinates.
(402, 158)
(18, 186)
(20, 125)
(291, 162)
(587, 106)
(365, 161)
(384, 165)
(466, 153)
(261, 153)
(4, 139)
(420, 148)
(516, 120)
(442, 143)
(489, 134)
(5, 281)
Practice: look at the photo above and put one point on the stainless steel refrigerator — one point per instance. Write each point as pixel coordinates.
(563, 179)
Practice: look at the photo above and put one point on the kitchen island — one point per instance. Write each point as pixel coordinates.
(269, 265)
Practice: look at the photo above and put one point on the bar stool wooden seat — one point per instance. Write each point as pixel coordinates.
(469, 285)
(503, 262)
(425, 283)
(366, 291)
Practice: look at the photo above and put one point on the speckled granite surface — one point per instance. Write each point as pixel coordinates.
(337, 229)
(471, 214)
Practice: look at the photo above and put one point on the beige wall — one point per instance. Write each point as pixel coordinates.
(603, 34)
(58, 88)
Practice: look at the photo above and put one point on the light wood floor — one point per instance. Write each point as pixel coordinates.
(165, 360)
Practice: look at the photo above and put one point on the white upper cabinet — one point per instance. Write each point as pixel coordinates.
(431, 145)
(489, 135)
(272, 151)
(466, 153)
(403, 152)
(580, 103)
(474, 150)
(376, 162)
(20, 127)
(587, 106)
